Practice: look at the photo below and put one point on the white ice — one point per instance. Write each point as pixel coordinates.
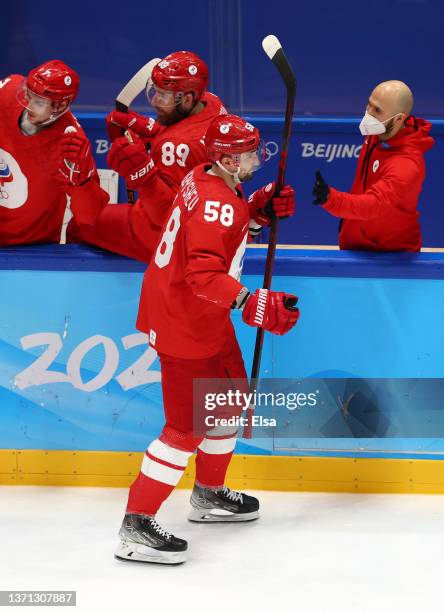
(308, 551)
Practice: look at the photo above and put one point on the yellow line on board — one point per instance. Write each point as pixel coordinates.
(272, 473)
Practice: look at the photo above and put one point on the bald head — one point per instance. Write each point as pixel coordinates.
(395, 96)
(390, 102)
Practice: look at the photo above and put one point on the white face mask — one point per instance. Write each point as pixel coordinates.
(370, 126)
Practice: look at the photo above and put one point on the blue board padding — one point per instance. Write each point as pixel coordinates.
(351, 326)
(289, 262)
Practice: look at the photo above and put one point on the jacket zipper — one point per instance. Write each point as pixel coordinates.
(366, 163)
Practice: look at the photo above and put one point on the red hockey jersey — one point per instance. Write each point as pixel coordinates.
(380, 212)
(177, 149)
(194, 274)
(34, 200)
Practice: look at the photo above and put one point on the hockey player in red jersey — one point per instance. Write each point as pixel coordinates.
(189, 288)
(161, 154)
(44, 165)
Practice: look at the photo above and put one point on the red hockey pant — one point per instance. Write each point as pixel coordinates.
(166, 457)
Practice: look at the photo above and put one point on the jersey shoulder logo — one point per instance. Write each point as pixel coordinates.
(375, 165)
(4, 82)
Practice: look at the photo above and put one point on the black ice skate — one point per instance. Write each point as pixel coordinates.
(143, 539)
(222, 506)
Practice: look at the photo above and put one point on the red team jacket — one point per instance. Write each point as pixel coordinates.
(194, 274)
(177, 149)
(380, 212)
(33, 202)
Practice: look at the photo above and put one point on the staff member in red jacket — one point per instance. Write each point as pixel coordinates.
(380, 212)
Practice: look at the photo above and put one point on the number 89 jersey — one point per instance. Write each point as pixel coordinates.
(178, 148)
(193, 277)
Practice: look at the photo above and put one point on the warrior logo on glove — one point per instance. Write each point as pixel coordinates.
(275, 311)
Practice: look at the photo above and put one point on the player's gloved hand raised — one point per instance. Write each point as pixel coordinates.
(77, 165)
(130, 160)
(262, 202)
(321, 190)
(273, 310)
(144, 127)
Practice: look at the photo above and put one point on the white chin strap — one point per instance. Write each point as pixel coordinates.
(234, 175)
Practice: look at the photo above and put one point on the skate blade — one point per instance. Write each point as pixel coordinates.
(132, 551)
(216, 515)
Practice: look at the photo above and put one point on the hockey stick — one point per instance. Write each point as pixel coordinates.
(131, 90)
(273, 49)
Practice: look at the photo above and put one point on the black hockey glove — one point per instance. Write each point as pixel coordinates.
(321, 190)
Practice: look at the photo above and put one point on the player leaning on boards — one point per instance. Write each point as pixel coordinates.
(188, 290)
(380, 212)
(39, 164)
(161, 154)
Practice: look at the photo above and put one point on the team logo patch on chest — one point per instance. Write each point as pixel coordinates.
(375, 165)
(13, 183)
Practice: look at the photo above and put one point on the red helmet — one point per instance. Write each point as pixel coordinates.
(230, 134)
(54, 80)
(181, 71)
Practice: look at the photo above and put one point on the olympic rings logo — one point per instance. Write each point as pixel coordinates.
(271, 149)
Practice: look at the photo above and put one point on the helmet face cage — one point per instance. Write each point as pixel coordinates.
(163, 98)
(37, 104)
(250, 161)
(246, 162)
(253, 160)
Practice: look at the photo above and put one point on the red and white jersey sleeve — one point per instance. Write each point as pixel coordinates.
(194, 274)
(33, 202)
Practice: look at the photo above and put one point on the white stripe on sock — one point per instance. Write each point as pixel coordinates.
(160, 472)
(159, 449)
(213, 446)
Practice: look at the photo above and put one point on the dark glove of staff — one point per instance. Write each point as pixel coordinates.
(321, 190)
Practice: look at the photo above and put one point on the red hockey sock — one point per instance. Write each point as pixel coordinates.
(162, 468)
(213, 458)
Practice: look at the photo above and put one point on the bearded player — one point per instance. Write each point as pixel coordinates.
(157, 156)
(47, 169)
(187, 293)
